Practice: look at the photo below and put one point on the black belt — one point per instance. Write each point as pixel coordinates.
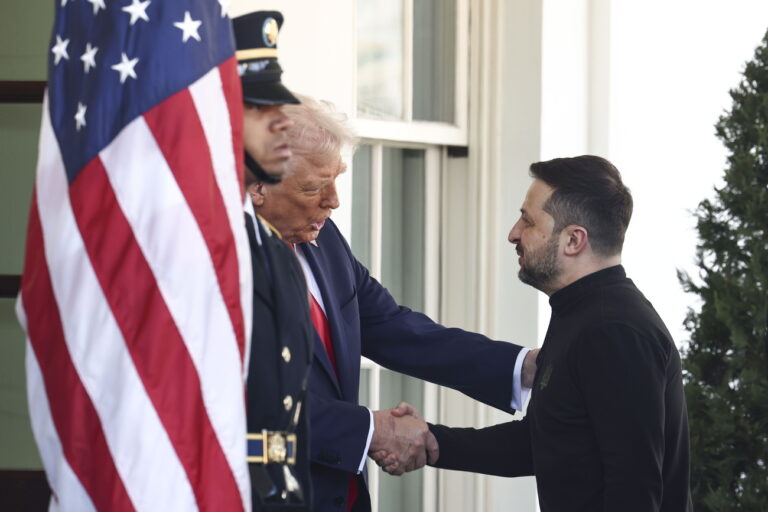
(272, 447)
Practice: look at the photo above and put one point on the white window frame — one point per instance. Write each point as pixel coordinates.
(407, 130)
(431, 137)
(433, 161)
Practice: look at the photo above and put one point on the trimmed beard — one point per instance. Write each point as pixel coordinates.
(540, 267)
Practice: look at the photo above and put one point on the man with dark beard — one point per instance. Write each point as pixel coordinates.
(607, 426)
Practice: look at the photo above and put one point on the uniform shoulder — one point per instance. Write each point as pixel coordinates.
(269, 226)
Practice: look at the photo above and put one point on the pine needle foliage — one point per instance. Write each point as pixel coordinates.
(726, 361)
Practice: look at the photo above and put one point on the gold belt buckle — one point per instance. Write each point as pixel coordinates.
(276, 447)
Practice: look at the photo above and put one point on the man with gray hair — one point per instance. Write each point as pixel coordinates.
(354, 315)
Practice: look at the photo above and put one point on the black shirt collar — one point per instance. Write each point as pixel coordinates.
(576, 291)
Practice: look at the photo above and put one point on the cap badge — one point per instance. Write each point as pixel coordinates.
(269, 32)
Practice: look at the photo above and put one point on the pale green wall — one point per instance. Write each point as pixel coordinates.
(24, 38)
(25, 32)
(19, 126)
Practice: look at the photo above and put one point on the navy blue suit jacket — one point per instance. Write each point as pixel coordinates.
(365, 319)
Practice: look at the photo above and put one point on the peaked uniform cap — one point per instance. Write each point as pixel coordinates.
(256, 37)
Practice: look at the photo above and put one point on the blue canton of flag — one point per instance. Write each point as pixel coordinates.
(114, 61)
(137, 269)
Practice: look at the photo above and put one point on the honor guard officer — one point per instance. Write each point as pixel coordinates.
(281, 343)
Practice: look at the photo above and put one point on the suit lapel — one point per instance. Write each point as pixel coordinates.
(345, 380)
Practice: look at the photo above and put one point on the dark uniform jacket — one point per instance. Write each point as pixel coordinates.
(607, 426)
(280, 358)
(365, 319)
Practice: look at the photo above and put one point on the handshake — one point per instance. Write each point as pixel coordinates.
(401, 440)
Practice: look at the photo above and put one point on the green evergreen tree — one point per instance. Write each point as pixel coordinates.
(726, 362)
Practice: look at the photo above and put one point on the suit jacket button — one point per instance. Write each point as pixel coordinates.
(286, 354)
(288, 402)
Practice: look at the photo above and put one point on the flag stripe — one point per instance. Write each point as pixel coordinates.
(77, 423)
(162, 223)
(183, 144)
(233, 94)
(209, 95)
(157, 348)
(64, 483)
(211, 106)
(136, 438)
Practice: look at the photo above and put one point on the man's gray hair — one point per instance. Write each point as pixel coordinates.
(319, 132)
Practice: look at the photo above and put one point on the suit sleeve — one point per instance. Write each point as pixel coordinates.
(622, 376)
(339, 433)
(411, 343)
(501, 450)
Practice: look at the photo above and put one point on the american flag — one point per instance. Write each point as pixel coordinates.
(137, 270)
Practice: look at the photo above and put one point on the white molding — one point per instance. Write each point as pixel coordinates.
(598, 80)
(423, 132)
(461, 103)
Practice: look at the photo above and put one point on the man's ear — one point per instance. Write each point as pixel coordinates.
(258, 193)
(577, 240)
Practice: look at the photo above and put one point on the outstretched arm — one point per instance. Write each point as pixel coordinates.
(501, 450)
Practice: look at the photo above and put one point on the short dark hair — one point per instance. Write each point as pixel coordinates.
(588, 192)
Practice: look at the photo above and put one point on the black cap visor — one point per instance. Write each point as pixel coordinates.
(267, 93)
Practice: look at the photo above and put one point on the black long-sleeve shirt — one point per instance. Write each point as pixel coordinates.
(607, 426)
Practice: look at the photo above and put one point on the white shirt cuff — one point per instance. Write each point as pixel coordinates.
(367, 444)
(519, 393)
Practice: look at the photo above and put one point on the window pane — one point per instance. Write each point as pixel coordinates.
(402, 265)
(398, 493)
(361, 205)
(380, 59)
(434, 60)
(363, 396)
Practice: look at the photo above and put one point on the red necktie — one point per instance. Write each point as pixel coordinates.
(320, 322)
(323, 329)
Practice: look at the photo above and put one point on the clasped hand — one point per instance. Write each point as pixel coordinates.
(401, 440)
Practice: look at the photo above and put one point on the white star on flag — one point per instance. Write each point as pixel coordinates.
(60, 49)
(89, 57)
(189, 27)
(137, 10)
(97, 4)
(80, 116)
(224, 7)
(125, 67)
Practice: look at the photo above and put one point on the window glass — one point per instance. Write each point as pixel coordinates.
(361, 204)
(398, 493)
(402, 259)
(380, 59)
(364, 392)
(434, 60)
(402, 202)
